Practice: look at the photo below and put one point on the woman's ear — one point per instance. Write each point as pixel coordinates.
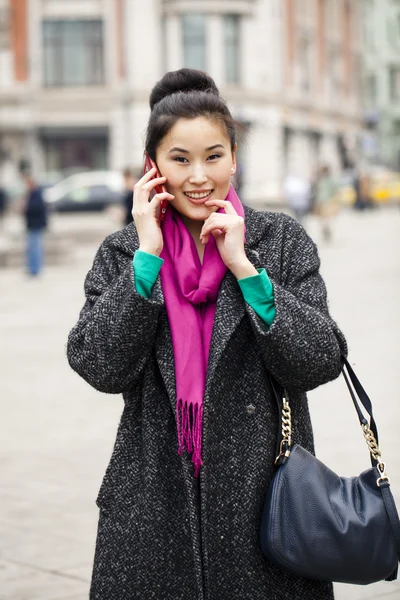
(234, 165)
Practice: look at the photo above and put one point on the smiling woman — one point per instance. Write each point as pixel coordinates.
(198, 162)
(189, 318)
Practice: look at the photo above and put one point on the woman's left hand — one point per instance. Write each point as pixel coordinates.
(228, 231)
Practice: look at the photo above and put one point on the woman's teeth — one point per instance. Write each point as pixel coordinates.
(196, 196)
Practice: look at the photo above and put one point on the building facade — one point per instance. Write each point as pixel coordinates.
(381, 23)
(76, 77)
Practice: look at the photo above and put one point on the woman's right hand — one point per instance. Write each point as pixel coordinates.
(144, 213)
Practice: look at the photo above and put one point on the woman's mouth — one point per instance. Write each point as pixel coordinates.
(199, 197)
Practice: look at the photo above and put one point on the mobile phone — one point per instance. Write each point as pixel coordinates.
(150, 164)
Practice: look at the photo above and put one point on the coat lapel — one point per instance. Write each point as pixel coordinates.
(230, 311)
(164, 353)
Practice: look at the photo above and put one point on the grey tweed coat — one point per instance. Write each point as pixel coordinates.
(162, 534)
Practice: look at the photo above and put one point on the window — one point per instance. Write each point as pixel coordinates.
(393, 30)
(369, 24)
(394, 78)
(73, 53)
(5, 26)
(194, 41)
(231, 46)
(335, 73)
(304, 65)
(65, 155)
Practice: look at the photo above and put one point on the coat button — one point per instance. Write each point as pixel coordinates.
(251, 409)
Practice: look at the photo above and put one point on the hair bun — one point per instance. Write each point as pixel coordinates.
(183, 80)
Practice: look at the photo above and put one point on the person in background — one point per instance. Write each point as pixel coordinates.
(129, 182)
(297, 193)
(362, 192)
(35, 213)
(3, 205)
(325, 200)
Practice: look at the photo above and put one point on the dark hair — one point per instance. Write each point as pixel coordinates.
(185, 94)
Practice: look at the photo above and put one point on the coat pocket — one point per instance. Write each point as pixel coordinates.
(118, 548)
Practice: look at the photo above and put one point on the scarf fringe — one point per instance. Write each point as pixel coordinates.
(189, 421)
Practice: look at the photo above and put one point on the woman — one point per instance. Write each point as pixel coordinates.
(217, 298)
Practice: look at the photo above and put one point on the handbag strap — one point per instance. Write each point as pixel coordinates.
(369, 429)
(371, 435)
(360, 399)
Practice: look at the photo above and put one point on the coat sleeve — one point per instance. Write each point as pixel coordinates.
(302, 348)
(116, 330)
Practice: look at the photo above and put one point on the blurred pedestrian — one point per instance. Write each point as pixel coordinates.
(362, 188)
(35, 213)
(326, 202)
(297, 193)
(3, 205)
(129, 182)
(181, 316)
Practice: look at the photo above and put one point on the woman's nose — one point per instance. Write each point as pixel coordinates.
(198, 175)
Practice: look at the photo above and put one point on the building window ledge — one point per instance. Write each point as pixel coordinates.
(176, 7)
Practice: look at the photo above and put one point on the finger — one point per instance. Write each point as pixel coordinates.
(146, 208)
(225, 204)
(142, 193)
(210, 229)
(217, 234)
(146, 177)
(215, 220)
(158, 198)
(153, 183)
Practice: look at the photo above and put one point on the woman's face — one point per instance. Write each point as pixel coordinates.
(196, 158)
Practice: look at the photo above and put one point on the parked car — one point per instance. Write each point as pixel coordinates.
(91, 190)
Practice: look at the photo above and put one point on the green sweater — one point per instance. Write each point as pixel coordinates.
(257, 290)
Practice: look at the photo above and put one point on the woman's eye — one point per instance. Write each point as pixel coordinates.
(214, 156)
(181, 159)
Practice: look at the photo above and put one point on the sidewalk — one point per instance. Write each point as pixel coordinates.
(57, 433)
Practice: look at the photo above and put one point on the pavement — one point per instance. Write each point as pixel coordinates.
(57, 433)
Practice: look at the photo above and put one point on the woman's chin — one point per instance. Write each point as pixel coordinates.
(201, 212)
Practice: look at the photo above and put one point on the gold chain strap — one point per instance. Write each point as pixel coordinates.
(371, 442)
(375, 453)
(284, 449)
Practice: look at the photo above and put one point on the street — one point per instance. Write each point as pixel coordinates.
(57, 433)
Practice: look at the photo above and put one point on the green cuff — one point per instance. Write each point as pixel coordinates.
(258, 292)
(146, 268)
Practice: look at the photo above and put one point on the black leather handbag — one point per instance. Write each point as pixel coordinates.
(318, 525)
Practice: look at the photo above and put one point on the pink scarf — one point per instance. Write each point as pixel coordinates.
(190, 290)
